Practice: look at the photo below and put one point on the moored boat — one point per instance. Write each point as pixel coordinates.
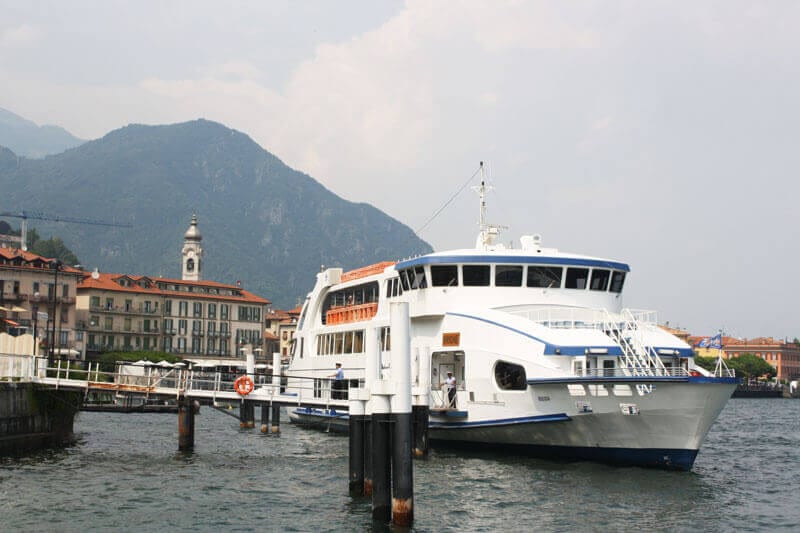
(546, 359)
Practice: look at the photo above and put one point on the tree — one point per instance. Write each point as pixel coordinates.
(709, 363)
(751, 366)
(53, 248)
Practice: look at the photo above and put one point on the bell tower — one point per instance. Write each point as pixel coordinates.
(192, 253)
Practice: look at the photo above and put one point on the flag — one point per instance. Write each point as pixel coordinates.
(711, 342)
(716, 341)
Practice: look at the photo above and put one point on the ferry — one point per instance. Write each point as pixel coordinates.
(547, 361)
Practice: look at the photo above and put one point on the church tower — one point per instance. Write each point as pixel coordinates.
(192, 253)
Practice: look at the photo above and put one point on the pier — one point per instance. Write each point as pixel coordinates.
(382, 444)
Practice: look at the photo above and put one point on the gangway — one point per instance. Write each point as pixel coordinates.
(175, 383)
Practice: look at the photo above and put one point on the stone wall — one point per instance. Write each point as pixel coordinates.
(32, 418)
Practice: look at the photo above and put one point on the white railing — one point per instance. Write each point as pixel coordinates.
(669, 371)
(157, 381)
(582, 317)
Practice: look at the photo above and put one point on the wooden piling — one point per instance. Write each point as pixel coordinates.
(356, 436)
(401, 435)
(368, 455)
(420, 415)
(264, 417)
(186, 411)
(250, 414)
(242, 415)
(381, 467)
(276, 418)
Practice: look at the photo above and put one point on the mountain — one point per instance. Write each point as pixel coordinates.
(27, 139)
(262, 222)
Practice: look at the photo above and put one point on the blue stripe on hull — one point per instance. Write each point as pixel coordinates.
(671, 459)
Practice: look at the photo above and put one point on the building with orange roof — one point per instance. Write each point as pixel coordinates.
(281, 326)
(191, 317)
(782, 354)
(37, 296)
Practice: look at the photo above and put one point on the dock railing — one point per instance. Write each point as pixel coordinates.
(305, 390)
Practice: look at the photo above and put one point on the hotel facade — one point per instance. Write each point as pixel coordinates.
(189, 317)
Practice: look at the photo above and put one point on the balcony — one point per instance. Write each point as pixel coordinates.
(122, 309)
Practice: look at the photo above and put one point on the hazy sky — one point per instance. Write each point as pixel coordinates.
(661, 134)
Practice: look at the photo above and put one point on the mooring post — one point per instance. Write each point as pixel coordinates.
(242, 414)
(381, 461)
(372, 346)
(264, 417)
(276, 384)
(251, 413)
(402, 456)
(380, 431)
(356, 436)
(368, 453)
(420, 410)
(186, 411)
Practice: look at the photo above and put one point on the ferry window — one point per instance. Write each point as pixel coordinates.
(475, 275)
(576, 278)
(508, 276)
(545, 277)
(510, 376)
(404, 279)
(444, 275)
(617, 281)
(348, 342)
(338, 343)
(358, 341)
(419, 280)
(599, 279)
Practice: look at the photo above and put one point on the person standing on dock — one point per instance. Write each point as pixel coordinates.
(451, 390)
(337, 387)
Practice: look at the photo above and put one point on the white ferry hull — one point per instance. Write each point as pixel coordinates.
(667, 430)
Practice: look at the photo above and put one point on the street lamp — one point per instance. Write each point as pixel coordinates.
(55, 266)
(35, 317)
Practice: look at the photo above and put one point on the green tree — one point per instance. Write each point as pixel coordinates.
(709, 363)
(751, 366)
(53, 247)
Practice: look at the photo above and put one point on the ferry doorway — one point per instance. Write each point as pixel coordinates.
(442, 363)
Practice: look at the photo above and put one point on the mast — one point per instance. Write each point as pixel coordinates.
(488, 232)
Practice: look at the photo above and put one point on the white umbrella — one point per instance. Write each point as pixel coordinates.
(164, 364)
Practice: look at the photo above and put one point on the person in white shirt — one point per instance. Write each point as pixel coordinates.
(451, 389)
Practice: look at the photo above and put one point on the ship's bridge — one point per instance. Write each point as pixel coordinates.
(509, 277)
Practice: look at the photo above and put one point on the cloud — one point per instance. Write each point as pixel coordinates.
(19, 36)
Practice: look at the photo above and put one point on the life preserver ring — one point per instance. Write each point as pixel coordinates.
(243, 385)
(695, 373)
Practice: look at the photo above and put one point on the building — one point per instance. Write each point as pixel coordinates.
(190, 317)
(781, 354)
(33, 291)
(280, 327)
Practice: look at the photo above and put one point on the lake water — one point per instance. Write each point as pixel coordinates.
(124, 473)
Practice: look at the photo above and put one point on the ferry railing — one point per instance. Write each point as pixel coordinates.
(671, 371)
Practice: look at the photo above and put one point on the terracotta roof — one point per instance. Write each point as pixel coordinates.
(296, 310)
(30, 257)
(268, 336)
(109, 282)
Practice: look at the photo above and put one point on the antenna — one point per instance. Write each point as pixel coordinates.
(488, 232)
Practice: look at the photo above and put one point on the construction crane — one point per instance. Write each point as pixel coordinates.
(34, 215)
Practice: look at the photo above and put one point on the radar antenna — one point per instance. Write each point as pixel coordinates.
(488, 232)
